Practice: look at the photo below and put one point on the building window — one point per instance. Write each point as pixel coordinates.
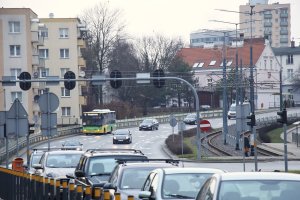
(14, 27)
(43, 72)
(65, 92)
(63, 32)
(209, 82)
(271, 64)
(265, 64)
(16, 95)
(15, 72)
(64, 53)
(44, 53)
(290, 59)
(212, 63)
(63, 71)
(15, 50)
(44, 32)
(65, 111)
(289, 73)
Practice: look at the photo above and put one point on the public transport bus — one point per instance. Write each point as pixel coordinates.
(98, 121)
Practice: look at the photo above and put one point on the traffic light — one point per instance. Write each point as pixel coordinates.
(115, 83)
(159, 83)
(25, 85)
(252, 120)
(69, 83)
(30, 128)
(283, 116)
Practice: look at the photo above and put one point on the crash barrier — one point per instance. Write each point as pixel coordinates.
(15, 185)
(35, 138)
(166, 118)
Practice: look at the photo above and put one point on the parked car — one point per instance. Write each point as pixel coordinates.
(72, 145)
(96, 165)
(191, 118)
(175, 183)
(149, 124)
(58, 163)
(251, 186)
(122, 136)
(128, 177)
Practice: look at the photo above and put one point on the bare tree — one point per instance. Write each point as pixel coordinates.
(104, 28)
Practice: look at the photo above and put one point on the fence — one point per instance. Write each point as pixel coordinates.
(15, 185)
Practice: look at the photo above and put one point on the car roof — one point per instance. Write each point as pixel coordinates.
(107, 152)
(146, 165)
(230, 176)
(121, 131)
(65, 152)
(191, 170)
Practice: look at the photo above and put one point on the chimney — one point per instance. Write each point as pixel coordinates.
(293, 44)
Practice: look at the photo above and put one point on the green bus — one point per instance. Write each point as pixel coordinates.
(98, 121)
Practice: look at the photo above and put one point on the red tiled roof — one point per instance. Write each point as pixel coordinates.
(206, 55)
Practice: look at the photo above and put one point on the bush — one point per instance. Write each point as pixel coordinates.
(174, 145)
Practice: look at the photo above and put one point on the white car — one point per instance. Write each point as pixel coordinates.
(175, 183)
(58, 163)
(251, 186)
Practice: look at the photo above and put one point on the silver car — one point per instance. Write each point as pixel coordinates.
(58, 163)
(175, 183)
(251, 186)
(72, 145)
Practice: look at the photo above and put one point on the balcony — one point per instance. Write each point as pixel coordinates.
(284, 40)
(35, 60)
(39, 85)
(284, 23)
(267, 33)
(284, 15)
(82, 100)
(268, 16)
(284, 32)
(81, 61)
(268, 24)
(81, 43)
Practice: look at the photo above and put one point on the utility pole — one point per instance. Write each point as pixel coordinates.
(225, 122)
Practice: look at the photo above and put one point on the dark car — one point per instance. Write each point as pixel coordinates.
(191, 118)
(96, 165)
(128, 177)
(122, 136)
(149, 124)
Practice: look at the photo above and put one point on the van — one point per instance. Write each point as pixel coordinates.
(232, 110)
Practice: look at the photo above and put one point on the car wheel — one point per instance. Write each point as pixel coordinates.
(157, 128)
(152, 128)
(114, 142)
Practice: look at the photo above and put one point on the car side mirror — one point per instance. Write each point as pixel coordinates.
(110, 186)
(37, 166)
(144, 194)
(79, 173)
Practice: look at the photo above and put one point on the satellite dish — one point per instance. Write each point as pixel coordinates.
(82, 74)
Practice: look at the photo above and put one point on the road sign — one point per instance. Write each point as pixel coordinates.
(49, 124)
(172, 121)
(16, 120)
(181, 126)
(205, 125)
(48, 102)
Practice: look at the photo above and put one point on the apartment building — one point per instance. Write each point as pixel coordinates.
(63, 42)
(46, 48)
(272, 21)
(19, 44)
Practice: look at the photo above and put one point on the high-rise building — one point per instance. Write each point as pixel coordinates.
(19, 44)
(271, 21)
(63, 42)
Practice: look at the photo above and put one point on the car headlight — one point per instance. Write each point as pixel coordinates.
(127, 137)
(115, 138)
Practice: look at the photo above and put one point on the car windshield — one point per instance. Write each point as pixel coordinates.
(123, 132)
(139, 176)
(35, 159)
(62, 160)
(147, 121)
(232, 108)
(183, 185)
(260, 189)
(102, 165)
(72, 143)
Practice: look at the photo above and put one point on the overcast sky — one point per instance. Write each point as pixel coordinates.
(174, 18)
